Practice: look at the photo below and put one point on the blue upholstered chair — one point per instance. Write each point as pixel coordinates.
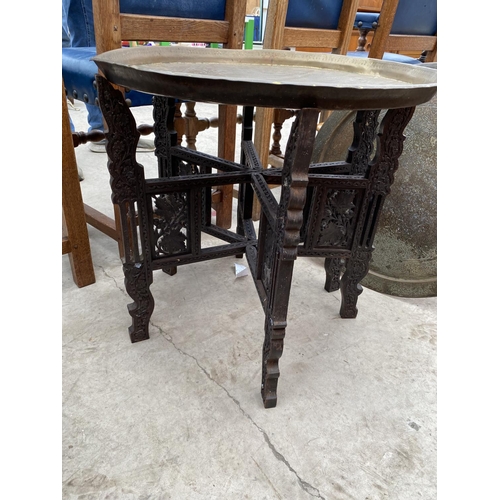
(78, 68)
(207, 21)
(401, 25)
(79, 74)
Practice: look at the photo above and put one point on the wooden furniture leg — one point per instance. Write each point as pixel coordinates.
(226, 149)
(75, 241)
(282, 250)
(381, 175)
(275, 153)
(333, 269)
(263, 126)
(127, 185)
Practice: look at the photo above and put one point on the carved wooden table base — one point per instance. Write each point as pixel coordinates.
(328, 210)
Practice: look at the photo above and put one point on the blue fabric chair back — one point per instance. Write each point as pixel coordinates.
(192, 9)
(317, 14)
(415, 18)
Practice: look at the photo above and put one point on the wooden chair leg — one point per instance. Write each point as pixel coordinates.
(226, 150)
(262, 139)
(191, 124)
(75, 240)
(276, 155)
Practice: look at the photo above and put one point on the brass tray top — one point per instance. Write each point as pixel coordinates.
(269, 78)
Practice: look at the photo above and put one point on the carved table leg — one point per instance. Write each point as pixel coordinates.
(333, 268)
(127, 185)
(356, 270)
(137, 282)
(165, 110)
(381, 176)
(359, 155)
(286, 239)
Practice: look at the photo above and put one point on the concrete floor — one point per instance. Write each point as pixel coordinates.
(179, 416)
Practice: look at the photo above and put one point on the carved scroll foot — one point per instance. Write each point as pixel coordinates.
(137, 283)
(356, 270)
(333, 268)
(272, 351)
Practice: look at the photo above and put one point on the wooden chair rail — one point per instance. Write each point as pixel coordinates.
(66, 245)
(153, 28)
(410, 43)
(302, 37)
(102, 222)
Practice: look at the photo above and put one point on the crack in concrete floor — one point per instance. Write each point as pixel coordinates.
(308, 488)
(304, 485)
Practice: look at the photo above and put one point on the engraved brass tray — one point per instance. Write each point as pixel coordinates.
(269, 78)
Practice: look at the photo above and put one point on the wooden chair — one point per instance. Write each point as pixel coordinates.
(415, 23)
(324, 24)
(408, 27)
(210, 21)
(297, 24)
(75, 240)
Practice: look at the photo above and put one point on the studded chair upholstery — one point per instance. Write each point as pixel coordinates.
(207, 21)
